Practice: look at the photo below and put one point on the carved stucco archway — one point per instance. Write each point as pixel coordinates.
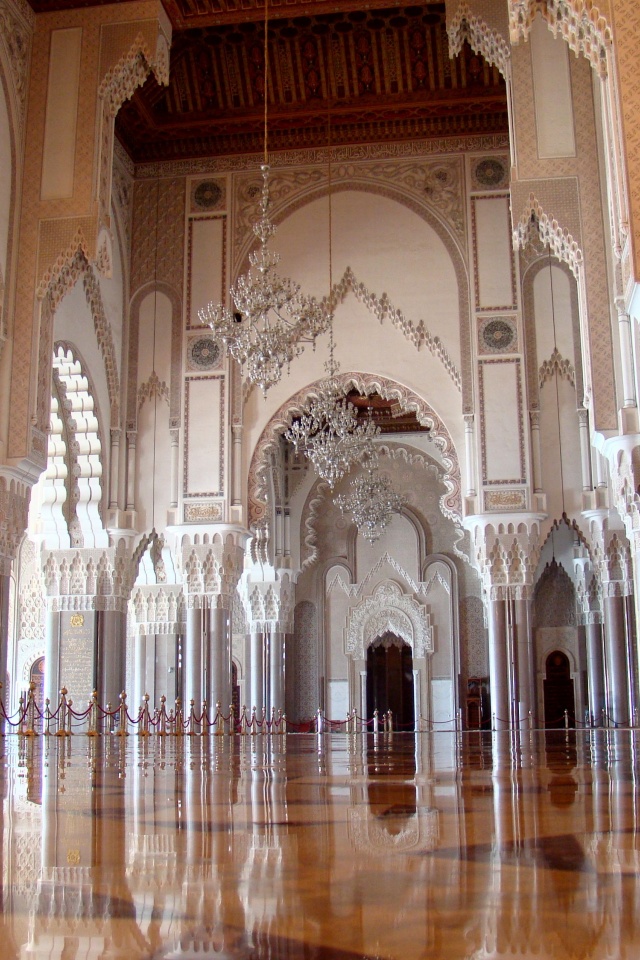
(365, 384)
(388, 610)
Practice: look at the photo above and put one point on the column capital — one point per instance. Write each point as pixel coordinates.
(505, 548)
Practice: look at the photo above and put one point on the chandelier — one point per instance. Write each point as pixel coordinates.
(329, 432)
(273, 318)
(371, 503)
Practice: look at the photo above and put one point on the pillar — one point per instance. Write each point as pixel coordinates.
(595, 670)
(536, 455)
(524, 659)
(219, 685)
(52, 657)
(256, 698)
(469, 453)
(111, 665)
(616, 659)
(585, 448)
(131, 470)
(276, 670)
(192, 663)
(499, 663)
(175, 473)
(114, 469)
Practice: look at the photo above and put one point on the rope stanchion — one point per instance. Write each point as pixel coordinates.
(191, 725)
(47, 718)
(319, 721)
(162, 717)
(219, 720)
(122, 725)
(62, 712)
(204, 720)
(31, 712)
(232, 721)
(144, 728)
(178, 724)
(93, 715)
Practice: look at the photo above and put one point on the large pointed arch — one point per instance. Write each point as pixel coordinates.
(365, 384)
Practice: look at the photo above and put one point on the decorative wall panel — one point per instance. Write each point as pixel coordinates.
(502, 438)
(493, 261)
(204, 406)
(206, 258)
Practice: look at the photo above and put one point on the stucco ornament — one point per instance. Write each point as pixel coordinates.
(388, 610)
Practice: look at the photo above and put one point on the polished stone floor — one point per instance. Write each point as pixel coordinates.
(410, 847)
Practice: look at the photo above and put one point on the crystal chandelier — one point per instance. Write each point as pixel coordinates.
(371, 503)
(273, 317)
(329, 432)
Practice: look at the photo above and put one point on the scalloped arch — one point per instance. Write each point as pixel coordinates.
(426, 213)
(451, 500)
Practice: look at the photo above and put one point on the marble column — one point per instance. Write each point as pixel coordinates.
(112, 627)
(256, 677)
(192, 664)
(52, 657)
(618, 708)
(524, 660)
(499, 664)
(595, 671)
(220, 659)
(276, 670)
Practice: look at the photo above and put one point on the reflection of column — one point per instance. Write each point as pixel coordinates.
(131, 469)
(524, 657)
(192, 669)
(256, 675)
(52, 657)
(595, 669)
(498, 662)
(615, 651)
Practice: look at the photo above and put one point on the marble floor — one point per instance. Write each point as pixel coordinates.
(347, 847)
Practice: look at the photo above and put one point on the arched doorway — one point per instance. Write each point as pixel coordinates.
(36, 675)
(390, 680)
(558, 691)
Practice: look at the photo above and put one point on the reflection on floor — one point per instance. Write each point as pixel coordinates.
(327, 848)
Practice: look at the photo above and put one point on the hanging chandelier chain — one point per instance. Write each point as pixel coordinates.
(274, 319)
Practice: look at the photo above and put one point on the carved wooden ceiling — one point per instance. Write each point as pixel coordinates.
(380, 73)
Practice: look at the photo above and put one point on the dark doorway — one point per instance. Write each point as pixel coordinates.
(558, 691)
(390, 680)
(36, 676)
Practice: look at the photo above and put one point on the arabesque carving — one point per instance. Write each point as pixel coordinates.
(579, 22)
(534, 223)
(556, 364)
(365, 384)
(466, 26)
(388, 610)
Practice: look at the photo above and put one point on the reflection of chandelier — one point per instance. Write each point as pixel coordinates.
(273, 318)
(329, 432)
(371, 503)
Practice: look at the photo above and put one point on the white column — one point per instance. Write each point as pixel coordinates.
(499, 663)
(114, 460)
(585, 448)
(276, 669)
(131, 469)
(51, 658)
(626, 356)
(175, 446)
(192, 668)
(256, 677)
(236, 496)
(534, 418)
(469, 453)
